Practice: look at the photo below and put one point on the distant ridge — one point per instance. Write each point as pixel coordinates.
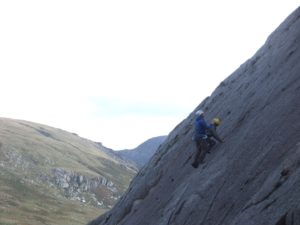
(141, 154)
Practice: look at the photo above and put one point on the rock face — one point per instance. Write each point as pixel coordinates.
(142, 154)
(76, 186)
(251, 179)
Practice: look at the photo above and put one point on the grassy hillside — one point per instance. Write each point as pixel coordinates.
(23, 203)
(50, 176)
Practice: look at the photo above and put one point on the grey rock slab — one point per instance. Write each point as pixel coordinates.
(251, 179)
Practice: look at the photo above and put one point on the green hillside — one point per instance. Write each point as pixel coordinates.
(50, 176)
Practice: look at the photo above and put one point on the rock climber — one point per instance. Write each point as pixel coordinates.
(203, 136)
(212, 134)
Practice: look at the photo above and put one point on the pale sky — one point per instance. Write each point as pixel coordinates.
(120, 72)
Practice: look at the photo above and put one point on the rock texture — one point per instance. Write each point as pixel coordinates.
(142, 154)
(251, 179)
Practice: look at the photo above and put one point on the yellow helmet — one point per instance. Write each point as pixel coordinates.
(216, 121)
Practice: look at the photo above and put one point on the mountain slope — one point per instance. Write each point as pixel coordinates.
(49, 176)
(141, 154)
(251, 179)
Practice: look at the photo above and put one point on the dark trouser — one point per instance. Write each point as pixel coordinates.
(202, 148)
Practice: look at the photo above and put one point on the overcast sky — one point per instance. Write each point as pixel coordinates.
(120, 72)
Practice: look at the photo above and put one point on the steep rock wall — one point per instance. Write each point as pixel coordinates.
(251, 179)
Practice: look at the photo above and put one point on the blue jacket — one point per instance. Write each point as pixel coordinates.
(200, 127)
